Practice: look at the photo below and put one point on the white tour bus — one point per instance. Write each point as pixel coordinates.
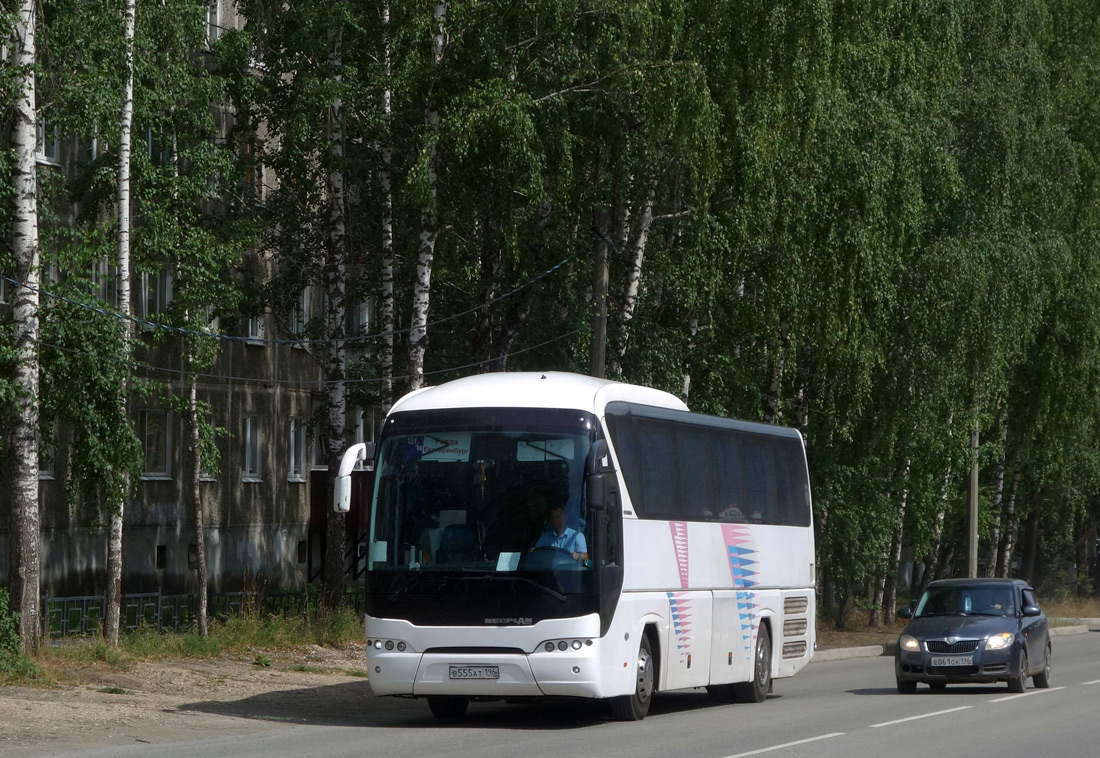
(552, 534)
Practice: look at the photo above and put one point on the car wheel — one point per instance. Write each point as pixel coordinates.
(448, 707)
(938, 685)
(635, 707)
(906, 686)
(757, 690)
(1019, 684)
(1042, 679)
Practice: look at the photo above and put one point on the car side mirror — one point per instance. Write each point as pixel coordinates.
(1031, 611)
(905, 613)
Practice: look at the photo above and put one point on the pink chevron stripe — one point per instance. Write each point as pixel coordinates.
(680, 545)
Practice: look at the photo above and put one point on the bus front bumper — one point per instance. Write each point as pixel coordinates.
(571, 673)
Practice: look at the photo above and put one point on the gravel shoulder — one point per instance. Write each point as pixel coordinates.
(169, 700)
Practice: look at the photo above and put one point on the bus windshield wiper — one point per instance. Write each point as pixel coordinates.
(406, 583)
(494, 576)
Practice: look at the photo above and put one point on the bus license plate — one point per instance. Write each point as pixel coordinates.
(475, 672)
(955, 660)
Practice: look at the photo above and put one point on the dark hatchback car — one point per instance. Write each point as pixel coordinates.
(974, 630)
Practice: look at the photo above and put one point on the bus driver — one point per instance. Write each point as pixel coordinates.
(562, 537)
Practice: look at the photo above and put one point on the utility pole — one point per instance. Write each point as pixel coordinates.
(598, 362)
(972, 566)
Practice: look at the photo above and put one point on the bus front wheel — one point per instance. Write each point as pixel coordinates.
(635, 707)
(448, 707)
(757, 690)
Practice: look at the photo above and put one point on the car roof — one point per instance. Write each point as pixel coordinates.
(979, 581)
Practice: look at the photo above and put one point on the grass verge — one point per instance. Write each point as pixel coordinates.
(259, 637)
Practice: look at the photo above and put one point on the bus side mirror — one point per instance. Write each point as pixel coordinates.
(596, 488)
(341, 486)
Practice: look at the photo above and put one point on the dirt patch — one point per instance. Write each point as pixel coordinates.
(166, 700)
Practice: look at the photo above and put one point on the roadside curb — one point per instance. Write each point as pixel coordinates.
(875, 651)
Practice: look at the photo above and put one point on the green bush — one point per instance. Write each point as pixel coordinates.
(13, 664)
(9, 627)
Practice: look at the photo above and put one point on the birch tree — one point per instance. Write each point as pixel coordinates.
(23, 435)
(116, 509)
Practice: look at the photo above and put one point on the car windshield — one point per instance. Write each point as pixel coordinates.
(956, 600)
(471, 500)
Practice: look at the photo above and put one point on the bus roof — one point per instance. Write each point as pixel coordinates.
(533, 389)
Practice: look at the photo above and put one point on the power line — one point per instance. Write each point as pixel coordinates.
(304, 384)
(301, 342)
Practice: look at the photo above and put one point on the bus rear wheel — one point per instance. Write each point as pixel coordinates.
(448, 707)
(635, 707)
(757, 690)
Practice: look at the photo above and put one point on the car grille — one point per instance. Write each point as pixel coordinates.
(945, 647)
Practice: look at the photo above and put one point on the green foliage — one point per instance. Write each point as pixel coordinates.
(876, 222)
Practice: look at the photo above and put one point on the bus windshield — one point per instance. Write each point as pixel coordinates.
(502, 498)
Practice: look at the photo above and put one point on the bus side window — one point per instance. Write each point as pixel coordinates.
(729, 496)
(697, 494)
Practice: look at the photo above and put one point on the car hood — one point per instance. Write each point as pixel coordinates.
(966, 627)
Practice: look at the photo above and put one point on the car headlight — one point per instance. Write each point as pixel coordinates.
(908, 642)
(999, 641)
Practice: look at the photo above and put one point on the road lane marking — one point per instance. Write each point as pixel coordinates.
(1094, 681)
(786, 744)
(922, 716)
(1025, 694)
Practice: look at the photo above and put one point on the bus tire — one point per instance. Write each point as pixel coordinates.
(757, 690)
(635, 707)
(448, 707)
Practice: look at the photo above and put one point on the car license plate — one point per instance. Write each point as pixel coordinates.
(954, 660)
(475, 672)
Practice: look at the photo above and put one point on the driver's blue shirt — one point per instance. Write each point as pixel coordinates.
(571, 541)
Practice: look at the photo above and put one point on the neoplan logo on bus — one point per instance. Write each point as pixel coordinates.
(511, 620)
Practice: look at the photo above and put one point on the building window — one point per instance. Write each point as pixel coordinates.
(297, 451)
(48, 147)
(159, 153)
(252, 448)
(357, 318)
(303, 312)
(156, 293)
(254, 329)
(320, 449)
(103, 282)
(254, 172)
(155, 439)
(213, 21)
(47, 450)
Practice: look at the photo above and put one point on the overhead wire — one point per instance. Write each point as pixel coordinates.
(156, 325)
(300, 383)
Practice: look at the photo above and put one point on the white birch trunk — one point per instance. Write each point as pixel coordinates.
(429, 232)
(114, 538)
(634, 277)
(386, 179)
(336, 359)
(998, 502)
(196, 492)
(25, 570)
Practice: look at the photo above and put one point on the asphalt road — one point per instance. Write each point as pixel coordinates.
(846, 708)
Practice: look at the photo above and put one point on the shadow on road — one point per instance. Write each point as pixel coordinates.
(926, 691)
(351, 704)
